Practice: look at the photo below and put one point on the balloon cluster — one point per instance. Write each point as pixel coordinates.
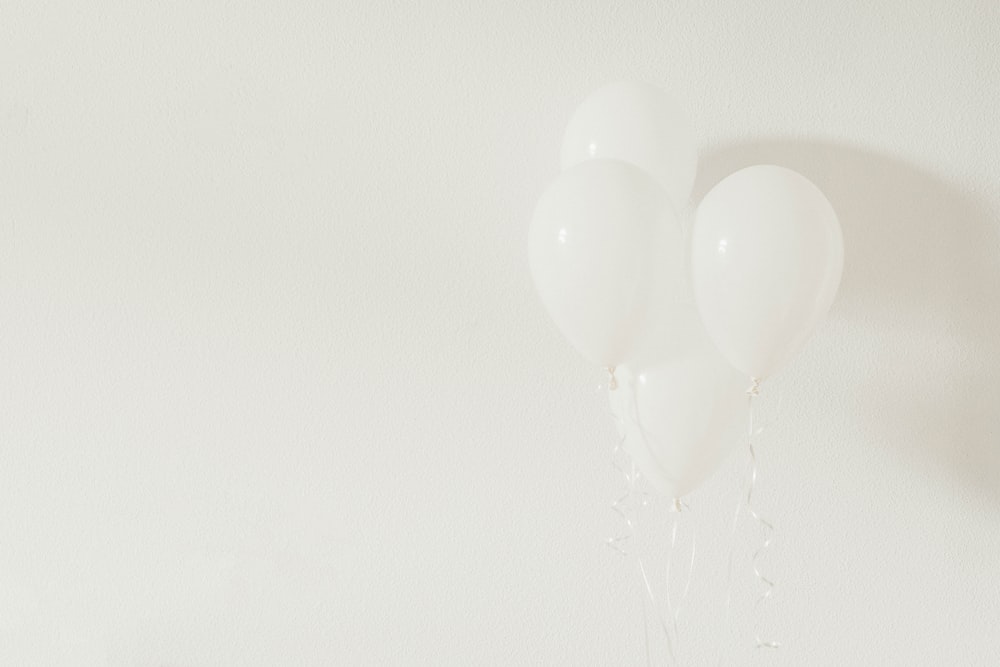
(683, 322)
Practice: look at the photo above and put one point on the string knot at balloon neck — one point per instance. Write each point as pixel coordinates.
(754, 389)
(612, 380)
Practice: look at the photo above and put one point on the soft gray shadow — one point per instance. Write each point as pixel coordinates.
(921, 290)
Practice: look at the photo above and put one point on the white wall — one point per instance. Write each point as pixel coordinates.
(275, 388)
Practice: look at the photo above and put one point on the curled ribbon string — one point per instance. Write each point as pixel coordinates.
(622, 507)
(766, 527)
(634, 405)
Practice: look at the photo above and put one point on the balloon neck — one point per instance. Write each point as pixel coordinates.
(612, 380)
(754, 389)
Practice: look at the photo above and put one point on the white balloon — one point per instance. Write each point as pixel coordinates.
(767, 255)
(640, 124)
(593, 250)
(683, 409)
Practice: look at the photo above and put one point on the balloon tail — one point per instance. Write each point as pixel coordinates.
(612, 380)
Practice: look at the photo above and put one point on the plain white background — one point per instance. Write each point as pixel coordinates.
(276, 390)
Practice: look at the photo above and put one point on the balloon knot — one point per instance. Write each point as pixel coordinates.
(754, 389)
(612, 380)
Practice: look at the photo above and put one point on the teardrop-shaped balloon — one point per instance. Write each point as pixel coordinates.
(593, 251)
(767, 255)
(640, 124)
(682, 406)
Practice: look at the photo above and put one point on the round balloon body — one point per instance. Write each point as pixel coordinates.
(593, 249)
(767, 255)
(640, 124)
(683, 408)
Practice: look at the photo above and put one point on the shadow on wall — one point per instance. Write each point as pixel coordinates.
(921, 291)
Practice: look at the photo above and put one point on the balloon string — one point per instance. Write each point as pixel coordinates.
(766, 527)
(623, 507)
(622, 543)
(674, 611)
(645, 630)
(620, 505)
(752, 392)
(729, 580)
(678, 506)
(656, 611)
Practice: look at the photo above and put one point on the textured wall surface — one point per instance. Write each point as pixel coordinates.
(275, 388)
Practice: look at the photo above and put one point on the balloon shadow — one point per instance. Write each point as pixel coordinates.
(919, 303)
